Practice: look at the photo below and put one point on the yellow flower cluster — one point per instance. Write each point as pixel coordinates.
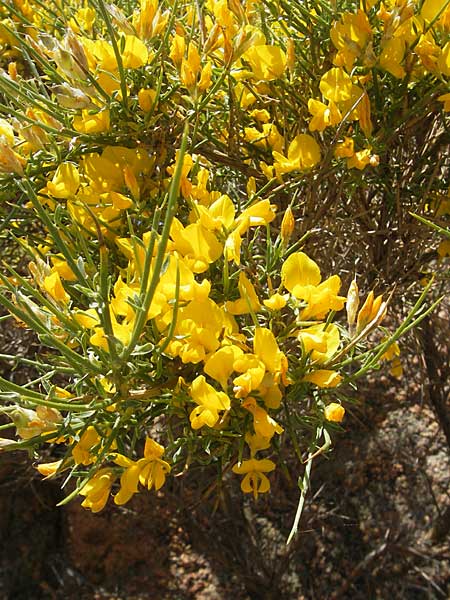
(177, 298)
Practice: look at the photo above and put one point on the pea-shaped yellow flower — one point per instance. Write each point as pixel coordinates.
(266, 62)
(336, 85)
(210, 403)
(81, 452)
(255, 481)
(149, 471)
(65, 182)
(54, 287)
(303, 154)
(97, 490)
(324, 378)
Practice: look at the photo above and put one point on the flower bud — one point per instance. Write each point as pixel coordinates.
(10, 161)
(352, 303)
(334, 412)
(290, 55)
(372, 312)
(71, 97)
(287, 226)
(49, 469)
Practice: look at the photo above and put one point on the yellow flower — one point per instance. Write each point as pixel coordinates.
(392, 351)
(363, 114)
(85, 17)
(49, 469)
(260, 115)
(254, 481)
(149, 21)
(371, 309)
(244, 96)
(199, 246)
(177, 49)
(321, 341)
(334, 412)
(65, 182)
(88, 318)
(257, 214)
(204, 82)
(256, 442)
(61, 266)
(276, 301)
(263, 424)
(324, 298)
(345, 149)
(323, 115)
(443, 61)
(269, 137)
(232, 248)
(432, 8)
(324, 378)
(396, 369)
(135, 53)
(248, 302)
(428, 51)
(199, 326)
(54, 287)
(392, 56)
(252, 369)
(190, 67)
(97, 490)
(121, 331)
(81, 452)
(189, 288)
(360, 160)
(220, 364)
(103, 54)
(219, 214)
(336, 85)
(210, 403)
(266, 62)
(350, 35)
(266, 348)
(392, 354)
(149, 471)
(303, 154)
(92, 122)
(146, 99)
(299, 274)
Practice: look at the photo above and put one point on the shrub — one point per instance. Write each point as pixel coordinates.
(174, 173)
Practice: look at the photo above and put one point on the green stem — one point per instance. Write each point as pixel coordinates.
(162, 246)
(53, 231)
(304, 487)
(112, 35)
